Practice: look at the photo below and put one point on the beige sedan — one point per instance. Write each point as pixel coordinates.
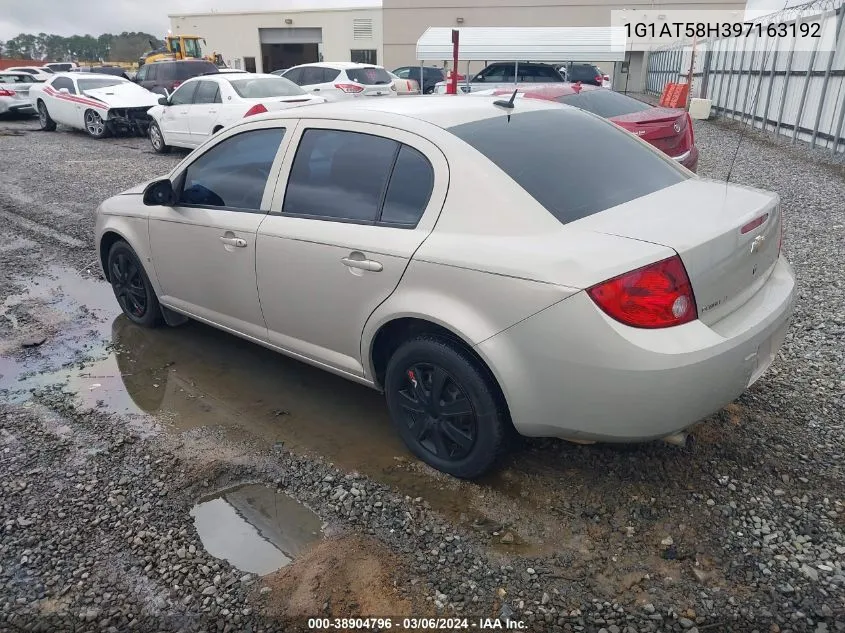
(468, 258)
(405, 86)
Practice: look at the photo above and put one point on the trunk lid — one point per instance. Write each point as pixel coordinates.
(665, 128)
(727, 235)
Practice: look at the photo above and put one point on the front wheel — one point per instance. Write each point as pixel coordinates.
(445, 407)
(47, 124)
(94, 124)
(132, 287)
(157, 139)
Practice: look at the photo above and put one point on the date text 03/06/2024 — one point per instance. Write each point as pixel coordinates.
(414, 624)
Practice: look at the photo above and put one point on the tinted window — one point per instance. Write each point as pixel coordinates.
(502, 72)
(409, 189)
(330, 74)
(207, 92)
(261, 87)
(339, 174)
(234, 172)
(184, 94)
(369, 76)
(572, 163)
(64, 82)
(583, 73)
(605, 103)
(294, 75)
(311, 75)
(142, 73)
(539, 74)
(186, 70)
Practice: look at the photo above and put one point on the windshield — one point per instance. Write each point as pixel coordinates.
(605, 103)
(93, 84)
(192, 48)
(572, 163)
(260, 87)
(369, 76)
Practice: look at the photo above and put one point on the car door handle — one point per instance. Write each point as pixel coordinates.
(315, 90)
(234, 241)
(363, 264)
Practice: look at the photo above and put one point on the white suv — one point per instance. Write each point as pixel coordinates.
(335, 81)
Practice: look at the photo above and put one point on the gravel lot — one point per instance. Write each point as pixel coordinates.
(746, 532)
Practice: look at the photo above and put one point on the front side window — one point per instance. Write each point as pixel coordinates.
(294, 75)
(192, 48)
(339, 174)
(233, 174)
(541, 74)
(184, 94)
(501, 73)
(311, 75)
(562, 158)
(64, 82)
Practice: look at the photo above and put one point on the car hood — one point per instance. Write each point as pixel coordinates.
(124, 95)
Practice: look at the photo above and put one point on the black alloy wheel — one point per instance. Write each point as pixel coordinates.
(132, 287)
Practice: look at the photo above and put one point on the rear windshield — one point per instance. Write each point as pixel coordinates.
(93, 84)
(260, 87)
(572, 163)
(186, 70)
(369, 76)
(605, 103)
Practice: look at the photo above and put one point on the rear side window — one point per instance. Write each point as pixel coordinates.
(605, 103)
(572, 163)
(409, 190)
(233, 173)
(330, 74)
(369, 76)
(338, 174)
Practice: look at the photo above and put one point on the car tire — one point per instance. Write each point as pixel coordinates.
(47, 124)
(94, 124)
(132, 287)
(467, 440)
(157, 139)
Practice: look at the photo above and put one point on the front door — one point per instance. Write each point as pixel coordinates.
(204, 247)
(359, 201)
(175, 120)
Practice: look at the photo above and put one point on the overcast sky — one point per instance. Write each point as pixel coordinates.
(69, 17)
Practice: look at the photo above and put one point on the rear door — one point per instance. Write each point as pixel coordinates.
(204, 111)
(353, 204)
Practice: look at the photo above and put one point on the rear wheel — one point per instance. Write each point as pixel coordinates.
(157, 139)
(47, 124)
(444, 407)
(132, 287)
(94, 124)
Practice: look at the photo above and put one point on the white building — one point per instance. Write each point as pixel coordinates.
(271, 40)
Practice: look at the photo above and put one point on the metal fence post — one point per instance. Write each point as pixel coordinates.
(730, 75)
(771, 85)
(739, 75)
(804, 91)
(837, 35)
(786, 76)
(724, 52)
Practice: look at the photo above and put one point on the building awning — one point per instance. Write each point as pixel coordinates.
(535, 44)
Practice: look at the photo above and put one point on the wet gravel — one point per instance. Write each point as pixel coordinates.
(745, 533)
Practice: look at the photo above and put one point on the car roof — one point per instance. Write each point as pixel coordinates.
(441, 110)
(181, 61)
(338, 65)
(550, 90)
(230, 76)
(92, 76)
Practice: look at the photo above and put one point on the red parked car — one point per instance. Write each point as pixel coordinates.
(668, 129)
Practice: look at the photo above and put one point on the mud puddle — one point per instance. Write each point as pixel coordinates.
(255, 528)
(195, 376)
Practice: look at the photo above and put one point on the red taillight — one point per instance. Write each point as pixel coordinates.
(350, 88)
(176, 84)
(599, 79)
(258, 108)
(656, 296)
(6, 93)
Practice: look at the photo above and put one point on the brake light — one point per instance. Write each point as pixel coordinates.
(6, 93)
(599, 79)
(258, 108)
(350, 88)
(655, 296)
(176, 84)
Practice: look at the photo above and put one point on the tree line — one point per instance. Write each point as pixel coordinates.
(125, 46)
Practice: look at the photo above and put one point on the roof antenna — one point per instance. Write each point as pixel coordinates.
(509, 103)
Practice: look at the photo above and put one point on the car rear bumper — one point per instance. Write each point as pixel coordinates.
(689, 159)
(571, 371)
(16, 107)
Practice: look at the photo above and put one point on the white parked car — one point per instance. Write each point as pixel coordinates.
(342, 80)
(61, 67)
(405, 86)
(41, 73)
(98, 104)
(436, 249)
(204, 105)
(14, 93)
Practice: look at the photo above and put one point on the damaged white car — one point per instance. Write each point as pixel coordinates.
(99, 104)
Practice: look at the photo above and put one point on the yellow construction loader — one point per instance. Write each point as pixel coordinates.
(180, 47)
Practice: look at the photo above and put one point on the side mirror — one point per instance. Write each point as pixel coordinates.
(64, 91)
(163, 101)
(160, 194)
